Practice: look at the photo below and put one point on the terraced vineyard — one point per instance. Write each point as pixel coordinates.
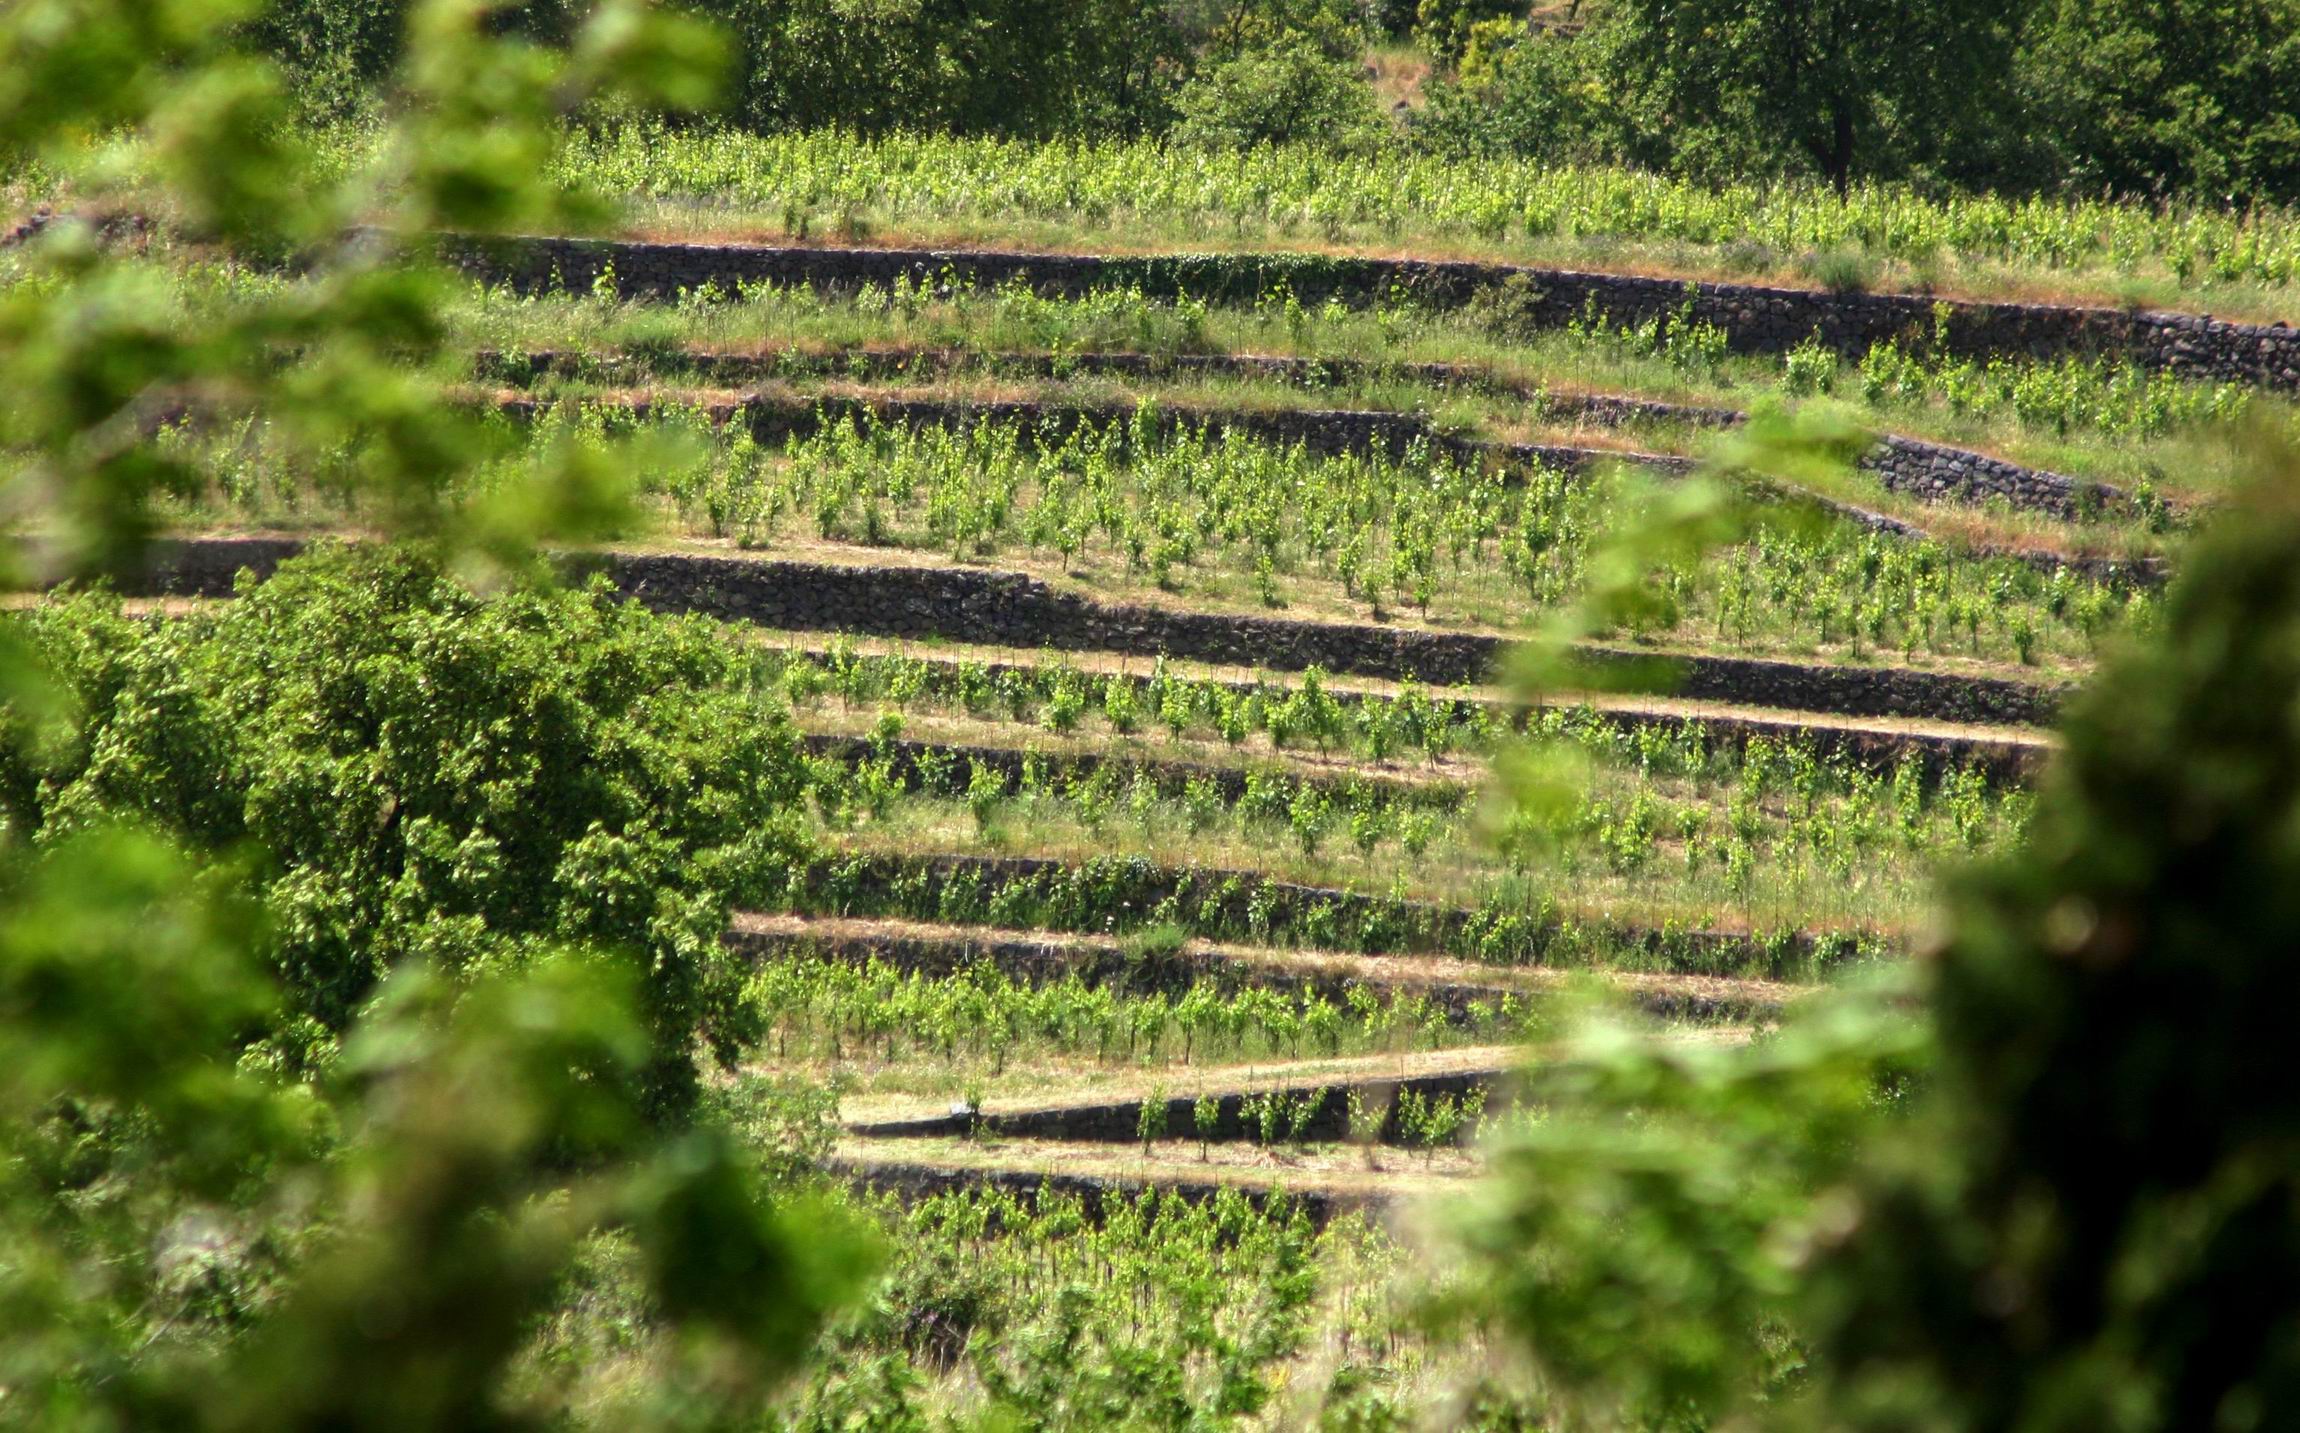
(1165, 912)
(862, 716)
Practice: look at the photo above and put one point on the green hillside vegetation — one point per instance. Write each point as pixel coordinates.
(921, 854)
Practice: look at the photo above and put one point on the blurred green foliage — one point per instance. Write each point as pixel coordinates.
(98, 358)
(189, 1241)
(2044, 1179)
(353, 946)
(2103, 1178)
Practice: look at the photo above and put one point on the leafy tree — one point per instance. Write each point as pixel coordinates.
(1444, 26)
(1545, 95)
(1018, 67)
(425, 774)
(333, 53)
(1223, 29)
(1849, 86)
(2185, 97)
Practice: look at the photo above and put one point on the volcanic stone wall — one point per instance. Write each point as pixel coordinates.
(1010, 609)
(1325, 1118)
(1042, 959)
(2007, 760)
(1755, 318)
(1930, 472)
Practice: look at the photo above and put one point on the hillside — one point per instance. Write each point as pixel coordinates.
(1074, 728)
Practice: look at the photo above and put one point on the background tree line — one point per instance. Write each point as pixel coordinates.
(2171, 98)
(2184, 98)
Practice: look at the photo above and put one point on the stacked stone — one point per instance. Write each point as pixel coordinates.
(1755, 318)
(1010, 609)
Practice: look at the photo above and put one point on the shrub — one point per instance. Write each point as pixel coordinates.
(1509, 309)
(1288, 91)
(1156, 945)
(1810, 367)
(1445, 26)
(1539, 96)
(1840, 271)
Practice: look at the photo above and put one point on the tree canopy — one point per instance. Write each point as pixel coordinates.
(1843, 81)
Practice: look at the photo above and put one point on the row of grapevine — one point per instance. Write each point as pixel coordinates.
(923, 179)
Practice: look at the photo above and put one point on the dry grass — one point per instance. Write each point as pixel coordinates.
(875, 1091)
(1398, 73)
(1054, 1089)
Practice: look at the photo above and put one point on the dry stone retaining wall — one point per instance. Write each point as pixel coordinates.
(1010, 609)
(1931, 472)
(1119, 1121)
(1928, 471)
(1755, 318)
(1867, 748)
(1042, 960)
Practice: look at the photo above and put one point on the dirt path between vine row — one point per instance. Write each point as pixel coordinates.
(1094, 1089)
(1325, 1182)
(1431, 973)
(1151, 745)
(1115, 1086)
(1124, 664)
